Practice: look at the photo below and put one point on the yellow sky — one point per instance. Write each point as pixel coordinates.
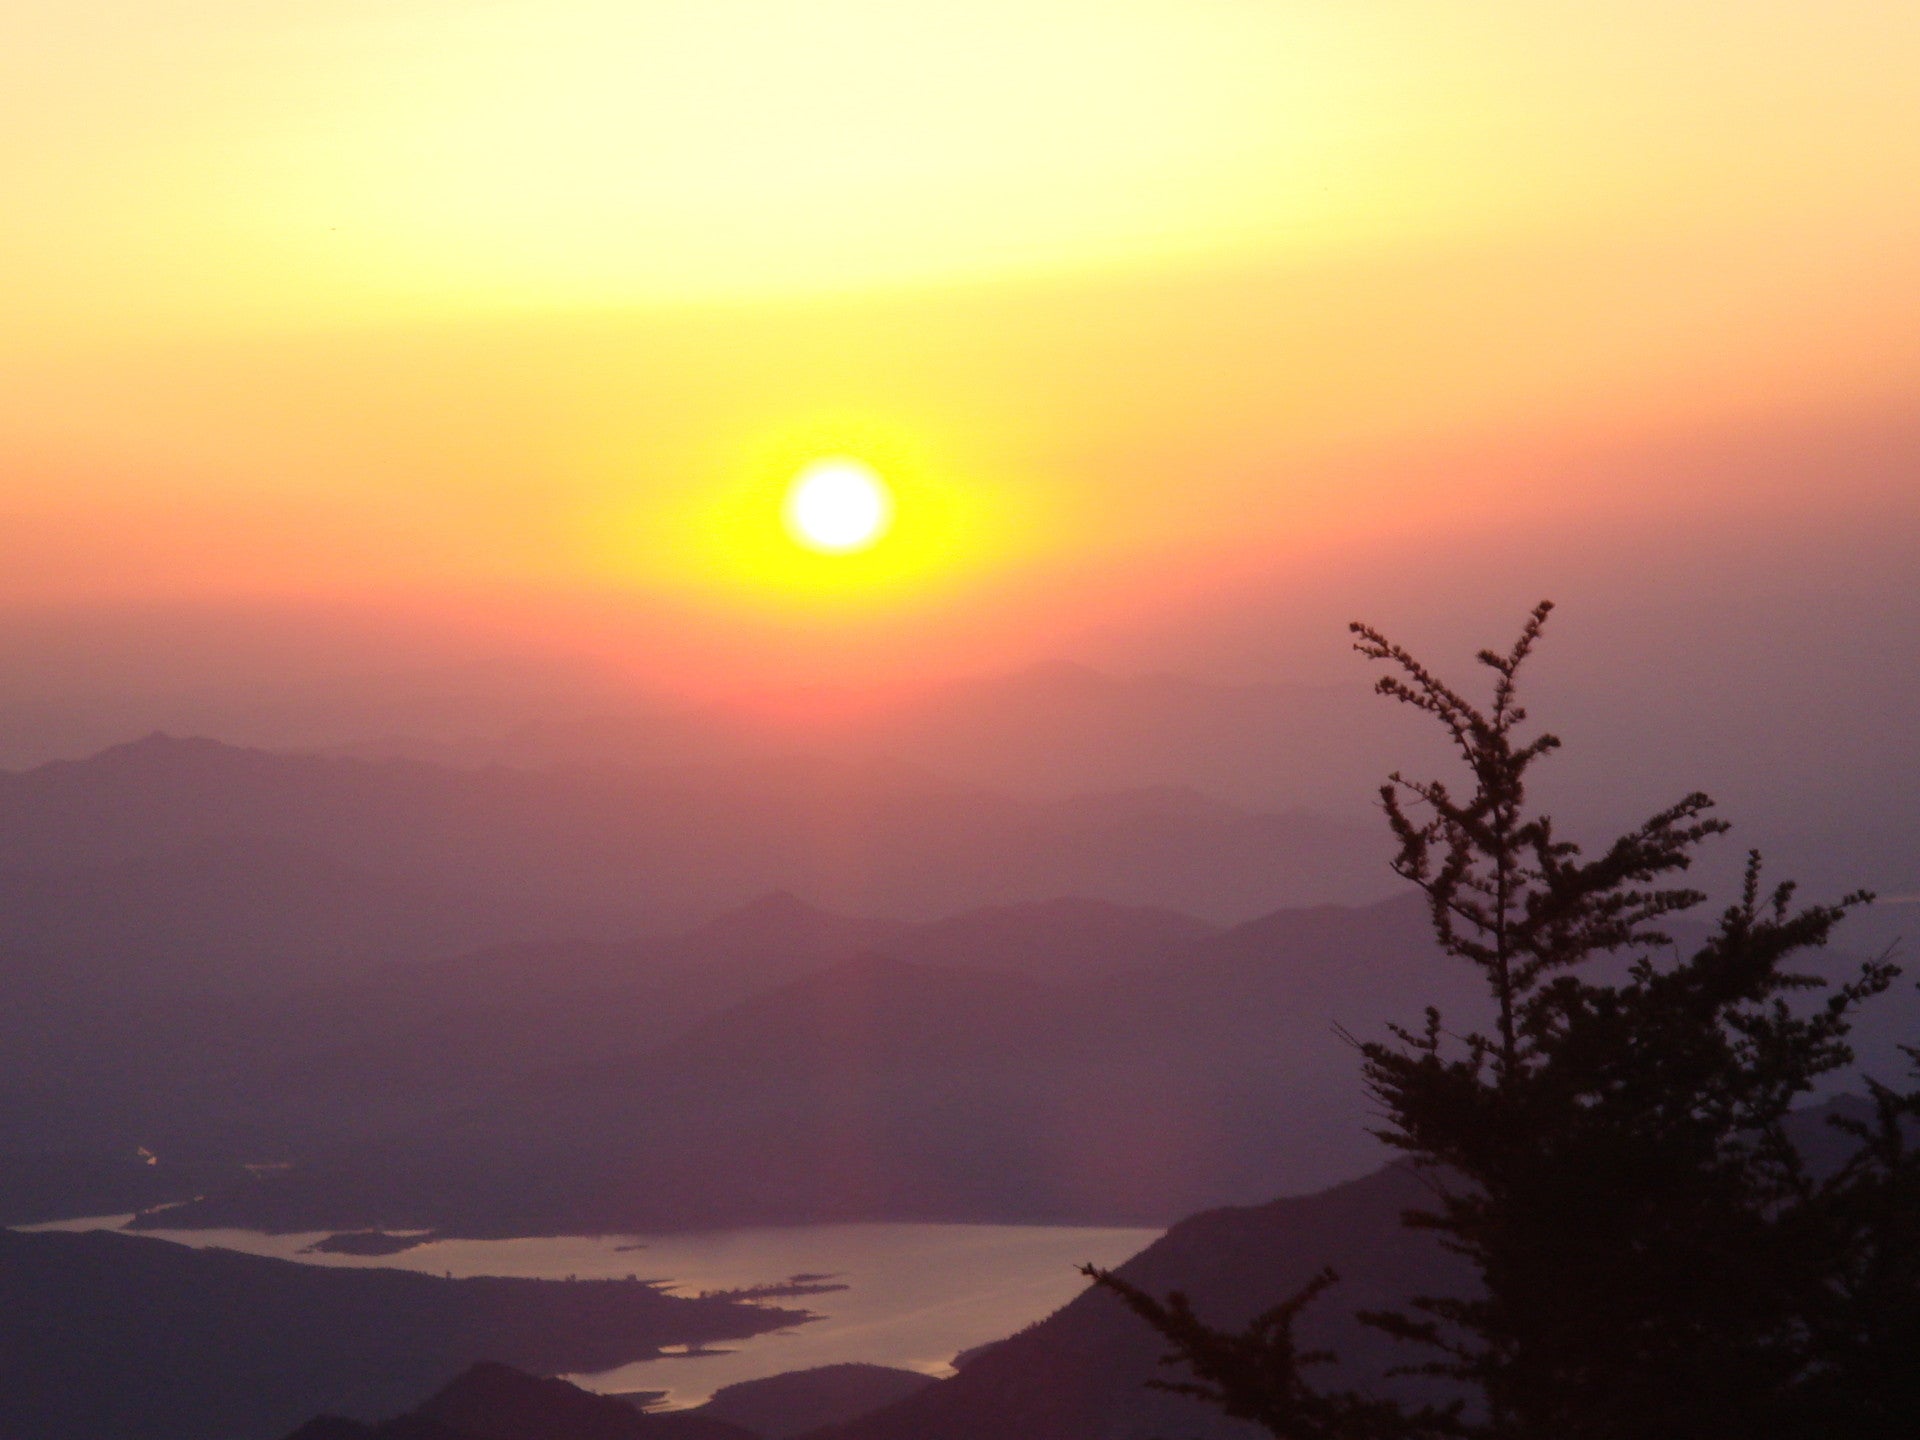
(544, 302)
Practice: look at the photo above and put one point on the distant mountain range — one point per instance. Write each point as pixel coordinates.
(1837, 814)
(610, 851)
(228, 955)
(221, 956)
(1057, 1059)
(871, 1087)
(1051, 730)
(207, 1065)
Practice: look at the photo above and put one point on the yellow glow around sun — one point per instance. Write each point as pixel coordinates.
(837, 515)
(838, 505)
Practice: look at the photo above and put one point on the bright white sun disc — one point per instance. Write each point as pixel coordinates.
(838, 505)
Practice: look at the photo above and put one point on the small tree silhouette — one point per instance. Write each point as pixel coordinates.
(1653, 1257)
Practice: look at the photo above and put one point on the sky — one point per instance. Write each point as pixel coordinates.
(1181, 331)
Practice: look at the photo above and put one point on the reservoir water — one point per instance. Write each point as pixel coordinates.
(915, 1296)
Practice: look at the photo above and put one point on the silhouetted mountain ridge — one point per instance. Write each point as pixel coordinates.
(612, 852)
(498, 1402)
(877, 1088)
(195, 1068)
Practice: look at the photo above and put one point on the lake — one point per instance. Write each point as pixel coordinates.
(916, 1295)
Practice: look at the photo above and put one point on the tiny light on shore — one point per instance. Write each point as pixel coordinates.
(837, 506)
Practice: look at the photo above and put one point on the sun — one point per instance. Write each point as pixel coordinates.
(837, 506)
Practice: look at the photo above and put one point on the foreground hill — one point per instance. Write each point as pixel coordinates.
(104, 1334)
(783, 1406)
(497, 1402)
(1082, 1373)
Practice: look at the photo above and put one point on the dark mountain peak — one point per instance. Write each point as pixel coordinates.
(159, 764)
(160, 741)
(161, 748)
(1323, 959)
(497, 1402)
(201, 759)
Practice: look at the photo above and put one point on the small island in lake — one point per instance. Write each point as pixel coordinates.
(368, 1242)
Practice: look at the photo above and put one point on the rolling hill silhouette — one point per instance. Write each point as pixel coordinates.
(222, 954)
(197, 1070)
(880, 1088)
(609, 852)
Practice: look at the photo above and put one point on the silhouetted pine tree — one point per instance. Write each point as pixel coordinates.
(1655, 1259)
(1865, 1383)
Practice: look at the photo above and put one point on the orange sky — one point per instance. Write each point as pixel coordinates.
(525, 313)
